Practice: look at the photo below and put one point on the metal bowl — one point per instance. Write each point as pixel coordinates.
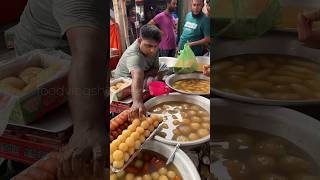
(197, 100)
(181, 161)
(298, 128)
(262, 101)
(176, 77)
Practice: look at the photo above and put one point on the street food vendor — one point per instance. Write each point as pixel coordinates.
(140, 61)
(305, 22)
(81, 27)
(196, 29)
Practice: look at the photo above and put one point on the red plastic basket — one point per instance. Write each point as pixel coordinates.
(23, 151)
(29, 148)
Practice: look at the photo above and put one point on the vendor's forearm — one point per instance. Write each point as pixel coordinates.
(87, 79)
(137, 87)
(137, 93)
(203, 41)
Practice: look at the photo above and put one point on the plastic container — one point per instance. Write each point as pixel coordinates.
(157, 88)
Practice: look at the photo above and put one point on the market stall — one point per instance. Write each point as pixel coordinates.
(170, 99)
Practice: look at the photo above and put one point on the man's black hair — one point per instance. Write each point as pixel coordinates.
(150, 32)
(207, 1)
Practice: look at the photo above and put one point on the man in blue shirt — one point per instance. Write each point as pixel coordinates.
(196, 29)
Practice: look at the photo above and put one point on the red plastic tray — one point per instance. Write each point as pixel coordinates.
(29, 148)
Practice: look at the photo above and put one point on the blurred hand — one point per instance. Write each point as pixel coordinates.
(177, 52)
(84, 156)
(190, 44)
(304, 27)
(137, 110)
(206, 70)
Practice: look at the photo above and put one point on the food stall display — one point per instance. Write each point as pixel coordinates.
(120, 88)
(187, 119)
(193, 123)
(38, 82)
(148, 165)
(126, 145)
(118, 124)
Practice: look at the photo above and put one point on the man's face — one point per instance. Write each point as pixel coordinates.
(172, 6)
(148, 47)
(197, 6)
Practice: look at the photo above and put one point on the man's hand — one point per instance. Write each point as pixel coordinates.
(190, 44)
(84, 156)
(206, 70)
(137, 110)
(304, 28)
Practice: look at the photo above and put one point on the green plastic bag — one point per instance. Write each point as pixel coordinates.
(187, 62)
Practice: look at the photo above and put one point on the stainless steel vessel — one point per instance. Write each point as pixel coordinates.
(176, 77)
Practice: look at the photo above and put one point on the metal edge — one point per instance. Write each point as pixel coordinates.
(174, 77)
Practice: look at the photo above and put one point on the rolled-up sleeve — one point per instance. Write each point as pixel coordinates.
(80, 13)
(135, 62)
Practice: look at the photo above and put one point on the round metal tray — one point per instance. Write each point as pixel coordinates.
(197, 100)
(176, 77)
(261, 101)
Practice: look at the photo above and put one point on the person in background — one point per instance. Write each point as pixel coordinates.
(166, 24)
(140, 61)
(78, 27)
(306, 32)
(196, 29)
(133, 18)
(115, 39)
(207, 8)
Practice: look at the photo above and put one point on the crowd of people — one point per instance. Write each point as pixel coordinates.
(158, 38)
